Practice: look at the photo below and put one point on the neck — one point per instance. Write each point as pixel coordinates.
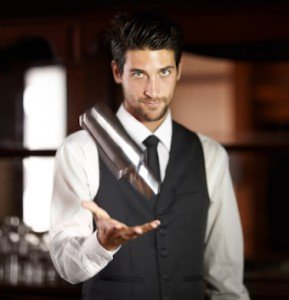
(153, 125)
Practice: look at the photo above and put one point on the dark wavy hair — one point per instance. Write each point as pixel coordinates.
(144, 30)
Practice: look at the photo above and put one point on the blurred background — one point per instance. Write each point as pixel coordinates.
(54, 64)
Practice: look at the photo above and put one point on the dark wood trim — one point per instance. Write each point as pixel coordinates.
(9, 152)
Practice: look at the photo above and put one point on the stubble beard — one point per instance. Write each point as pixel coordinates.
(151, 115)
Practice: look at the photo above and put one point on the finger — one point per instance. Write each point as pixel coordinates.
(150, 226)
(97, 211)
(133, 232)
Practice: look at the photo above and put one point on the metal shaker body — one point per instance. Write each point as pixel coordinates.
(120, 153)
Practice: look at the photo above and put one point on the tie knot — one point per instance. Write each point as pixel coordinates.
(151, 141)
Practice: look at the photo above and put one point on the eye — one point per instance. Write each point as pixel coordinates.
(165, 72)
(138, 74)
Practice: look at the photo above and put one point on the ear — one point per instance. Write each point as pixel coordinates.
(116, 72)
(180, 68)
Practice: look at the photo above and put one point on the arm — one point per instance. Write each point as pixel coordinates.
(75, 251)
(224, 239)
(79, 253)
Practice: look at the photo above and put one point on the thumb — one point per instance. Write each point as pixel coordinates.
(97, 211)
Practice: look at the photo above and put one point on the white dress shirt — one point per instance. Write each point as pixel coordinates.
(74, 248)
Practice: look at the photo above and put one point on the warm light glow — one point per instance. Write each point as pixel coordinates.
(37, 192)
(44, 128)
(204, 97)
(44, 107)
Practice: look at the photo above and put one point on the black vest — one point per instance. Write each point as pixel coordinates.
(166, 263)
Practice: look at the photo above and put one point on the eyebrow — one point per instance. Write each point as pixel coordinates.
(136, 70)
(167, 67)
(141, 70)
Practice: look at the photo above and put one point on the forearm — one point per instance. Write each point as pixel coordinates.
(224, 254)
(73, 245)
(242, 295)
(77, 258)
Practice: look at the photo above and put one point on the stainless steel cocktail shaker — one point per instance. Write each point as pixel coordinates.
(120, 153)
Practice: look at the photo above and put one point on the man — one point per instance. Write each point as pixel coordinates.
(191, 231)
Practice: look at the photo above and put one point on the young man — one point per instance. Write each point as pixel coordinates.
(191, 231)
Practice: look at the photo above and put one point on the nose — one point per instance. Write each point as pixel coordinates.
(152, 88)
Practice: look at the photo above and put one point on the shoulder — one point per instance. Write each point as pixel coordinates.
(79, 141)
(211, 145)
(180, 131)
(211, 148)
(214, 152)
(79, 138)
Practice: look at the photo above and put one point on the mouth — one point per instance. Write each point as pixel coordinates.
(152, 103)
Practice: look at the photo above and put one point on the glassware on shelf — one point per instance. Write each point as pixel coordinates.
(24, 256)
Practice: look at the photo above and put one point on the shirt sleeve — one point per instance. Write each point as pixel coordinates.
(74, 247)
(224, 257)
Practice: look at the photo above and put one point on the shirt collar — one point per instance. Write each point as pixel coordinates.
(139, 132)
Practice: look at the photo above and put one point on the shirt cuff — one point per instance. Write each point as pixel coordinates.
(96, 252)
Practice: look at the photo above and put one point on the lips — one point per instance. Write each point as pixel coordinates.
(151, 103)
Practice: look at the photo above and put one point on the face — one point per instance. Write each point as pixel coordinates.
(148, 81)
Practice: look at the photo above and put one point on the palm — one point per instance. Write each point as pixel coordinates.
(112, 233)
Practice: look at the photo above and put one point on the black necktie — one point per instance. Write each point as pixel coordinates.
(152, 155)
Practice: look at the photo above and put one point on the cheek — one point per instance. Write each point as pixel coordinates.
(134, 87)
(168, 87)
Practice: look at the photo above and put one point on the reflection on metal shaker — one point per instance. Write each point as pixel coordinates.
(121, 154)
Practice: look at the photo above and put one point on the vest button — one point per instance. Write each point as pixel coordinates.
(164, 252)
(166, 297)
(165, 276)
(163, 231)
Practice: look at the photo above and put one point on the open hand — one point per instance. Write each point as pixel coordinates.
(112, 233)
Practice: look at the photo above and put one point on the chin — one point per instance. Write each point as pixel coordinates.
(152, 117)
